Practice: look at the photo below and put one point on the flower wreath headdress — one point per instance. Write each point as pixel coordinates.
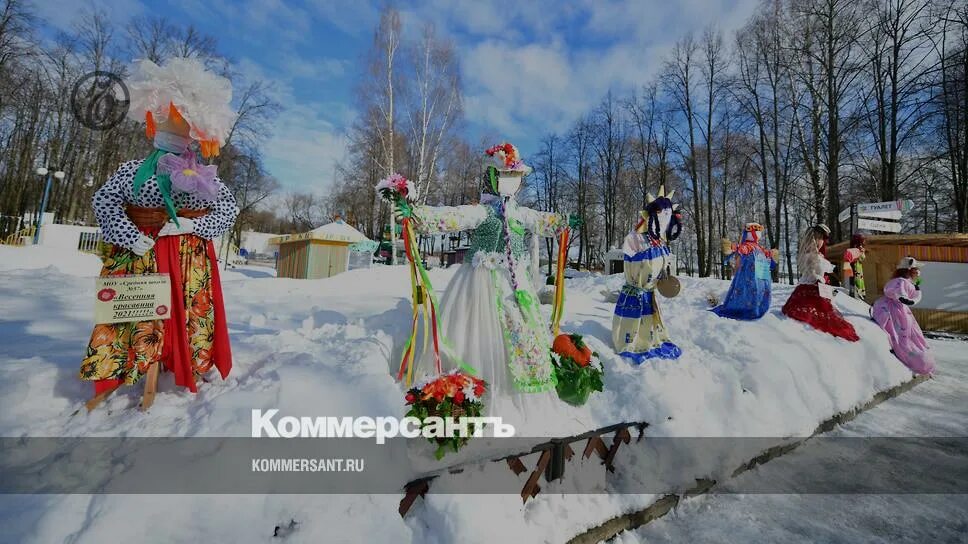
(183, 92)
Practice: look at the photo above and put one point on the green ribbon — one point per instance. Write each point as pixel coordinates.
(492, 177)
(145, 171)
(527, 304)
(516, 227)
(521, 383)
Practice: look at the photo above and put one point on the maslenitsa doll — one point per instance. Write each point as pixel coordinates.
(490, 313)
(159, 215)
(807, 303)
(638, 332)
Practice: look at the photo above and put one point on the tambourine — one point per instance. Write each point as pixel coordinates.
(668, 285)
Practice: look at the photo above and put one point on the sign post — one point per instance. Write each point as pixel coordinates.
(851, 214)
(875, 224)
(876, 216)
(894, 205)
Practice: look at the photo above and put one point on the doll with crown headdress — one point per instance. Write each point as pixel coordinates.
(748, 297)
(808, 303)
(490, 317)
(159, 215)
(638, 332)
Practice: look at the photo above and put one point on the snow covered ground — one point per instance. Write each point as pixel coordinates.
(933, 409)
(328, 347)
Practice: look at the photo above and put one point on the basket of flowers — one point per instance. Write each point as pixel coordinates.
(577, 368)
(450, 395)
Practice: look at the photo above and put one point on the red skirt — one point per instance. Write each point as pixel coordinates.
(179, 353)
(192, 341)
(806, 304)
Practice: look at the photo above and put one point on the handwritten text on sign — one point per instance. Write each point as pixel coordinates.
(121, 299)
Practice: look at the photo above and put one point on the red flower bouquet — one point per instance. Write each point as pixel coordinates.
(448, 396)
(577, 376)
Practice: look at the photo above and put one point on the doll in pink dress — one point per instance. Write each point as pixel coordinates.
(893, 313)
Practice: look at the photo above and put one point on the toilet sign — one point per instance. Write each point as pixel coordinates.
(877, 216)
(883, 207)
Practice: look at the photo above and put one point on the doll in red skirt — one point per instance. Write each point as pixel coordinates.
(807, 303)
(159, 215)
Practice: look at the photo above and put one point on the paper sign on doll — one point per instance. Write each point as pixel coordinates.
(142, 297)
(761, 269)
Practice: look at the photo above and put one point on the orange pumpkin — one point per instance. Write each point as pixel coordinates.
(565, 346)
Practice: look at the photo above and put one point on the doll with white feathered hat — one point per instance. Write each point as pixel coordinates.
(159, 215)
(893, 313)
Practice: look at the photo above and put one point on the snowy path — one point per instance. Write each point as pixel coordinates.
(935, 408)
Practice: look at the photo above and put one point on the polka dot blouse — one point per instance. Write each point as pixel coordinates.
(109, 202)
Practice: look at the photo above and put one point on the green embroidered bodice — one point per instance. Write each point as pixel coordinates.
(488, 237)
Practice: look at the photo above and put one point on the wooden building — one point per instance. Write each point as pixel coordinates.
(319, 253)
(944, 303)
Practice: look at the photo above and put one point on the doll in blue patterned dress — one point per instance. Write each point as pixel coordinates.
(638, 332)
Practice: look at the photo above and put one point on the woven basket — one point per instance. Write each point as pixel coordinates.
(457, 412)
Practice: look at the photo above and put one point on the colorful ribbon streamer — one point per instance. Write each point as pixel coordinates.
(144, 173)
(423, 299)
(558, 307)
(425, 303)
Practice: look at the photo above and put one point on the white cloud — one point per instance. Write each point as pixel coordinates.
(308, 137)
(658, 21)
(304, 149)
(66, 15)
(269, 22)
(534, 67)
(354, 17)
(506, 85)
(314, 69)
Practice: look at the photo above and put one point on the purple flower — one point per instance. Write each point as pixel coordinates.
(187, 176)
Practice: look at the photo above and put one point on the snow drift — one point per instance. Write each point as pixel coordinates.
(329, 347)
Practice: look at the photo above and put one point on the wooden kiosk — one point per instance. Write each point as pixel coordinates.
(319, 253)
(944, 306)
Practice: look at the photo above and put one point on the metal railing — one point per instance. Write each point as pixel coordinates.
(21, 237)
(89, 242)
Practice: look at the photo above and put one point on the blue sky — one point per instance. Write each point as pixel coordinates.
(528, 67)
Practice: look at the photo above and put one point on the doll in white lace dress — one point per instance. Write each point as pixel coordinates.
(490, 316)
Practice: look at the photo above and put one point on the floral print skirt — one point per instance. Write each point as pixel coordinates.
(190, 342)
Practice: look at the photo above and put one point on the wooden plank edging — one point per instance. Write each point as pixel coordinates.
(632, 520)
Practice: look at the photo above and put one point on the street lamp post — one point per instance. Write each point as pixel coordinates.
(43, 203)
